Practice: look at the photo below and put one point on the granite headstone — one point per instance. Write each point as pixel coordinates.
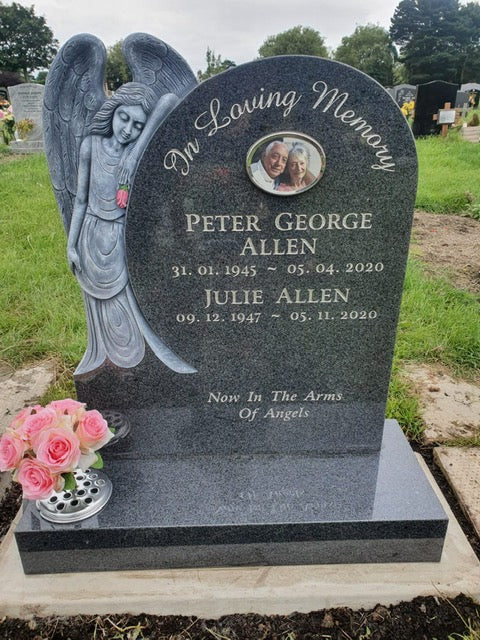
(431, 97)
(27, 102)
(267, 234)
(470, 86)
(404, 93)
(461, 99)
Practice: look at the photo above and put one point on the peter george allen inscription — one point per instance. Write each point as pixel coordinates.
(254, 245)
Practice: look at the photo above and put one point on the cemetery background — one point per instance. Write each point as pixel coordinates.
(447, 169)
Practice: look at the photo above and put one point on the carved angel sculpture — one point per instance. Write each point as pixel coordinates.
(93, 145)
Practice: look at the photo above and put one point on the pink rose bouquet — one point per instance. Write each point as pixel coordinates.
(44, 445)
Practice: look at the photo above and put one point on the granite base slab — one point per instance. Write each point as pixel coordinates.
(207, 511)
(25, 146)
(214, 592)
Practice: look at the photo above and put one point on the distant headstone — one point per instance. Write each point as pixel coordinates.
(266, 240)
(431, 97)
(461, 99)
(27, 103)
(404, 93)
(474, 98)
(470, 86)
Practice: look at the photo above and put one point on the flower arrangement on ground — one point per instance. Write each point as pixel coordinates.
(408, 110)
(25, 126)
(7, 121)
(44, 445)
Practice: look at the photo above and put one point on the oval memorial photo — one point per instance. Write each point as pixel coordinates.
(285, 163)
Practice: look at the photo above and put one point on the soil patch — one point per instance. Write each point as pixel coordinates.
(9, 505)
(421, 619)
(450, 247)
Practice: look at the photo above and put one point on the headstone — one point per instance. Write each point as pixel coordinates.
(461, 100)
(474, 98)
(27, 103)
(404, 93)
(472, 90)
(470, 86)
(266, 236)
(431, 97)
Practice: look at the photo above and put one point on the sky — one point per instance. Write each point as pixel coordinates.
(234, 29)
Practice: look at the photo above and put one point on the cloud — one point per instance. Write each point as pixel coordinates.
(234, 29)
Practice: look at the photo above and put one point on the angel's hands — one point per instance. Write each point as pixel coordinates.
(127, 168)
(73, 259)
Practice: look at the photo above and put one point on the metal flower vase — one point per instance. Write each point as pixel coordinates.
(91, 494)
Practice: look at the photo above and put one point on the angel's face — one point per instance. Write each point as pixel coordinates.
(128, 122)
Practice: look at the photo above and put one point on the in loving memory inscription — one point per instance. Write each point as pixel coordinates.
(321, 97)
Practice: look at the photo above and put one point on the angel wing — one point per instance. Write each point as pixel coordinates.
(73, 94)
(156, 64)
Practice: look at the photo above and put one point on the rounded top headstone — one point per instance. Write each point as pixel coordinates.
(266, 292)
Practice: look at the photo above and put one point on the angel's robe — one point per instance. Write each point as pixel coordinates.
(117, 329)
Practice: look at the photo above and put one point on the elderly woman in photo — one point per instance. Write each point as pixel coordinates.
(297, 174)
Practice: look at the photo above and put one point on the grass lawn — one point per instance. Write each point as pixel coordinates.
(42, 311)
(448, 170)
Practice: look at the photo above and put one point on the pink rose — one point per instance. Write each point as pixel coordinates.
(36, 423)
(93, 431)
(67, 406)
(71, 408)
(122, 198)
(37, 481)
(21, 417)
(12, 448)
(58, 449)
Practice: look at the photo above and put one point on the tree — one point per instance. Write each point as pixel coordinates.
(9, 79)
(26, 42)
(298, 40)
(116, 71)
(438, 40)
(41, 77)
(215, 65)
(371, 50)
(470, 25)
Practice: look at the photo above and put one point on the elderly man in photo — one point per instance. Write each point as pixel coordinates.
(266, 171)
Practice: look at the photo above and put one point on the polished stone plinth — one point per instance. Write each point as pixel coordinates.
(207, 511)
(213, 592)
